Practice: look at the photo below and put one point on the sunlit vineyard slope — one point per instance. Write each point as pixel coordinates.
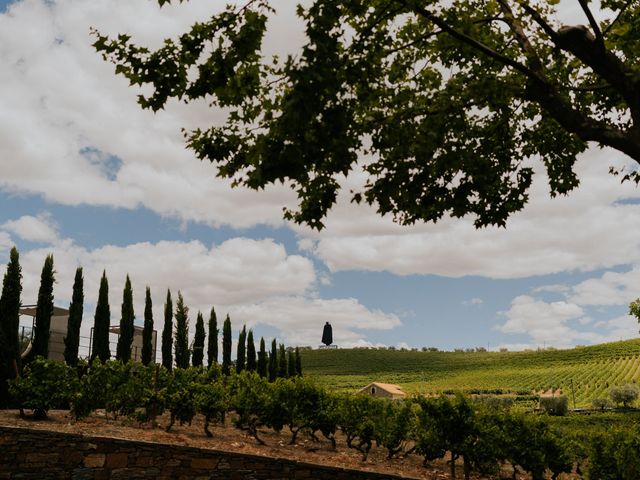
(591, 371)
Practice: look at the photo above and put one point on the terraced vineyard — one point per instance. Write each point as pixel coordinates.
(592, 370)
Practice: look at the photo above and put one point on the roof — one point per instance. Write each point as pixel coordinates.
(30, 310)
(388, 387)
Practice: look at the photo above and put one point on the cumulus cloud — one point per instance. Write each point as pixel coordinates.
(549, 323)
(71, 130)
(39, 229)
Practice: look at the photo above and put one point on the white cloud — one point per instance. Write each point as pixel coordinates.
(33, 229)
(300, 320)
(612, 288)
(68, 113)
(475, 301)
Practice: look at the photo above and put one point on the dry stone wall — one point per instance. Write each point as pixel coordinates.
(37, 454)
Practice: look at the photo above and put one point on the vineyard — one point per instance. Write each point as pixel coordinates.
(587, 372)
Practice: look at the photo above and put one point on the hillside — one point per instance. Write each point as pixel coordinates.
(592, 369)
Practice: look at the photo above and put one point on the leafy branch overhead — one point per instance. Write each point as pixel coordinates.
(447, 100)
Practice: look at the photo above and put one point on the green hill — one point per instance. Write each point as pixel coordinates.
(592, 370)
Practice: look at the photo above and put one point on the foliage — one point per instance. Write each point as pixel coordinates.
(198, 342)
(282, 362)
(181, 342)
(72, 339)
(369, 79)
(44, 384)
(298, 401)
(102, 318)
(226, 346)
(394, 426)
(211, 401)
(298, 361)
(357, 420)
(252, 400)
(291, 364)
(9, 323)
(167, 334)
(241, 357)
(181, 393)
(273, 361)
(212, 341)
(44, 311)
(251, 353)
(262, 359)
(147, 330)
(125, 338)
(625, 394)
(615, 455)
(601, 403)
(555, 405)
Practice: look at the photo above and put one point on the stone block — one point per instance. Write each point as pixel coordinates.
(117, 460)
(207, 463)
(94, 460)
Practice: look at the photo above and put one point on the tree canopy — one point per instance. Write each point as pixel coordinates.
(443, 105)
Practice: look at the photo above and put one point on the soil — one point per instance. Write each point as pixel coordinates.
(228, 438)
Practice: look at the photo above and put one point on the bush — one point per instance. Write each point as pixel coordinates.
(601, 403)
(556, 406)
(615, 455)
(44, 384)
(625, 394)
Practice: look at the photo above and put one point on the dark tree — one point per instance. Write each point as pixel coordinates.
(44, 311)
(101, 319)
(241, 356)
(519, 84)
(262, 359)
(147, 331)
(212, 341)
(76, 307)
(181, 346)
(298, 363)
(327, 334)
(167, 334)
(273, 361)
(226, 346)
(282, 362)
(125, 339)
(251, 352)
(291, 364)
(9, 323)
(198, 342)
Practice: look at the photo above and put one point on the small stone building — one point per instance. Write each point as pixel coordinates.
(383, 390)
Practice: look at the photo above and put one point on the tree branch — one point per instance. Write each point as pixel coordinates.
(548, 29)
(615, 20)
(521, 37)
(592, 21)
(473, 42)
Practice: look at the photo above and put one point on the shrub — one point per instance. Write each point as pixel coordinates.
(45, 384)
(625, 394)
(556, 406)
(615, 455)
(601, 403)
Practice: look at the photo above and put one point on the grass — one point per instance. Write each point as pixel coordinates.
(587, 372)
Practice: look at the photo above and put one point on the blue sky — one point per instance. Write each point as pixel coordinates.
(87, 175)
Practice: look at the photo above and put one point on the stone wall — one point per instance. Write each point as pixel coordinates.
(38, 454)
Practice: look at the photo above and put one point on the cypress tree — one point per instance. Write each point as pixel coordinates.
(44, 311)
(147, 331)
(241, 358)
(101, 320)
(198, 342)
(291, 364)
(123, 350)
(298, 363)
(282, 362)
(212, 341)
(262, 359)
(181, 346)
(251, 352)
(167, 334)
(9, 323)
(76, 307)
(226, 346)
(273, 361)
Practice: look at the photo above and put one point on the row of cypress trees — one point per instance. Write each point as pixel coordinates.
(175, 346)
